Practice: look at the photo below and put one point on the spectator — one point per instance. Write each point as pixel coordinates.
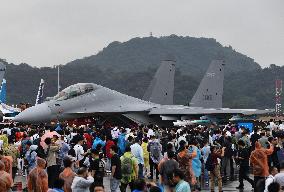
(178, 180)
(215, 172)
(109, 144)
(273, 158)
(155, 149)
(82, 181)
(270, 179)
(184, 159)
(167, 167)
(145, 155)
(79, 150)
(13, 152)
(115, 169)
(254, 137)
(274, 187)
(129, 169)
(279, 177)
(137, 152)
(6, 181)
(121, 143)
(3, 140)
(98, 141)
(67, 174)
(37, 178)
(58, 186)
(51, 152)
(99, 188)
(139, 185)
(243, 158)
(97, 167)
(196, 163)
(7, 162)
(258, 159)
(63, 150)
(263, 140)
(31, 156)
(205, 151)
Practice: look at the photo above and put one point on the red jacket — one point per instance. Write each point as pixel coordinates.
(89, 139)
(109, 143)
(258, 159)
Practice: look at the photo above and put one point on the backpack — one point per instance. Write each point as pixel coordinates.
(40, 152)
(126, 166)
(155, 151)
(72, 152)
(209, 163)
(37, 141)
(280, 156)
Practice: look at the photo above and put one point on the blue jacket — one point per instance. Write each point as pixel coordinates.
(196, 163)
(31, 155)
(121, 143)
(98, 141)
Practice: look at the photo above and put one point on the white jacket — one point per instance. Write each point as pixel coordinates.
(81, 184)
(268, 181)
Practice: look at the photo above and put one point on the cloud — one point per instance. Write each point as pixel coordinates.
(47, 33)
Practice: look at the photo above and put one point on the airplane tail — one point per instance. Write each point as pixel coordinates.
(3, 92)
(210, 91)
(39, 97)
(161, 88)
(3, 83)
(2, 71)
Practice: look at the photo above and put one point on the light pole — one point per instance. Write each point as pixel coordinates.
(58, 78)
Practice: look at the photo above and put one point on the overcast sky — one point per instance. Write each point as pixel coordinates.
(51, 32)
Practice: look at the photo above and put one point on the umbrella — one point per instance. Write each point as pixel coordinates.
(47, 135)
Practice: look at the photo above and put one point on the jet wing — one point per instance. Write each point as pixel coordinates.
(181, 110)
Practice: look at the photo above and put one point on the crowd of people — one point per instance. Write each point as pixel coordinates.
(142, 158)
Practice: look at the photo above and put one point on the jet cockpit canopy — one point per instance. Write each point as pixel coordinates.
(73, 91)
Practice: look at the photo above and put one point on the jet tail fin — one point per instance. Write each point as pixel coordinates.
(2, 71)
(3, 92)
(210, 91)
(3, 85)
(161, 88)
(39, 97)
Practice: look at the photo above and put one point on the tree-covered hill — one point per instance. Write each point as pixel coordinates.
(129, 67)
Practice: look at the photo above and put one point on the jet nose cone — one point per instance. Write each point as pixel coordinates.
(37, 114)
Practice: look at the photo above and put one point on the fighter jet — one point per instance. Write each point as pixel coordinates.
(88, 99)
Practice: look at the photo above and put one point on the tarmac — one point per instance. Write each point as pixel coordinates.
(20, 184)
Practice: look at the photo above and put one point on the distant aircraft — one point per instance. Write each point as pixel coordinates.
(3, 92)
(39, 97)
(2, 71)
(8, 111)
(88, 99)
